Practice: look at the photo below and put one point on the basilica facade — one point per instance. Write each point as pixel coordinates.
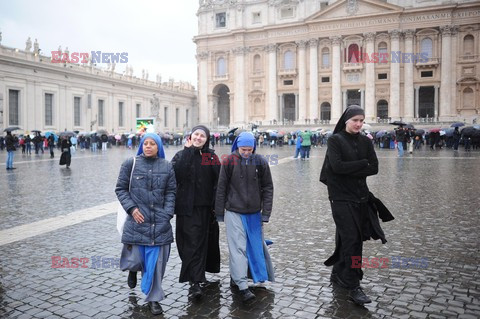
(38, 93)
(304, 61)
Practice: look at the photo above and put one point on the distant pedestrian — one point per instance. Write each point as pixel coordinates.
(104, 140)
(456, 138)
(244, 200)
(306, 144)
(66, 157)
(146, 190)
(51, 145)
(10, 145)
(28, 144)
(298, 146)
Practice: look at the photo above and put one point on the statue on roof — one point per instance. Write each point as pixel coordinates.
(28, 44)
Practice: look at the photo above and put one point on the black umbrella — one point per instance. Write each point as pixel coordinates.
(102, 132)
(66, 133)
(457, 124)
(37, 131)
(400, 123)
(233, 130)
(11, 128)
(409, 126)
(419, 132)
(468, 131)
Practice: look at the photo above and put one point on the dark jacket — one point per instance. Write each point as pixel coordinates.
(10, 143)
(65, 145)
(244, 188)
(401, 135)
(349, 160)
(152, 191)
(196, 174)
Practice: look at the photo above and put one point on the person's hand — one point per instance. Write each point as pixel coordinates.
(189, 142)
(137, 216)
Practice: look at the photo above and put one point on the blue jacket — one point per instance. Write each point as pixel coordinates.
(152, 191)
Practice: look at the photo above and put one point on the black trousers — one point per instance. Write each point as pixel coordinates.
(350, 218)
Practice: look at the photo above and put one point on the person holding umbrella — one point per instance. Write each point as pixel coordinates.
(66, 157)
(349, 160)
(10, 144)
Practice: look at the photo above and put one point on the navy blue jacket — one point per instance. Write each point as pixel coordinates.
(152, 191)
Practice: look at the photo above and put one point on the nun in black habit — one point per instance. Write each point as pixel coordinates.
(197, 234)
(349, 160)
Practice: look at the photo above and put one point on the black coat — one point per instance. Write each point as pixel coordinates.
(10, 143)
(349, 160)
(197, 176)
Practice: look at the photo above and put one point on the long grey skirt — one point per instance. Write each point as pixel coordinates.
(132, 260)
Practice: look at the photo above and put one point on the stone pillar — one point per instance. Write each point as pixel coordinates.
(452, 111)
(345, 100)
(394, 104)
(313, 111)
(408, 92)
(435, 103)
(203, 109)
(336, 80)
(446, 72)
(272, 113)
(302, 80)
(362, 98)
(297, 112)
(417, 102)
(370, 79)
(239, 110)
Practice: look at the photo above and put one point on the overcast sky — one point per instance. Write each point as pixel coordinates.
(156, 34)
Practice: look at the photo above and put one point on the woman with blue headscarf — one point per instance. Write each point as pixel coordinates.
(244, 201)
(146, 189)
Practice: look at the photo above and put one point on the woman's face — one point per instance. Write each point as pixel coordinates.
(354, 124)
(198, 138)
(150, 148)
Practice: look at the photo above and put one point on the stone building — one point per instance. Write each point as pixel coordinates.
(38, 94)
(304, 61)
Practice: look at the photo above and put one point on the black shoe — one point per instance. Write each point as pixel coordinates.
(13, 168)
(196, 291)
(358, 296)
(132, 279)
(155, 308)
(337, 281)
(247, 295)
(233, 284)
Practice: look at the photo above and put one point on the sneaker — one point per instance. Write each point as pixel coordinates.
(196, 291)
(155, 308)
(132, 279)
(358, 296)
(247, 295)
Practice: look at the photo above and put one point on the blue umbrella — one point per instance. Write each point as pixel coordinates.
(380, 133)
(457, 124)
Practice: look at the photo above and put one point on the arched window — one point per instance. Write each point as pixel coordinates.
(382, 109)
(468, 98)
(221, 67)
(257, 64)
(427, 47)
(382, 52)
(353, 53)
(325, 58)
(288, 62)
(325, 110)
(468, 45)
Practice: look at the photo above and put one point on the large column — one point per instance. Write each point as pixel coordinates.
(370, 79)
(336, 80)
(394, 105)
(446, 72)
(362, 98)
(313, 111)
(452, 111)
(344, 100)
(203, 109)
(302, 81)
(272, 113)
(417, 102)
(408, 92)
(239, 110)
(435, 103)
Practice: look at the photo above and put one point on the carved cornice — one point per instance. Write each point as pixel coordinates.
(202, 55)
(313, 42)
(395, 34)
(409, 34)
(240, 50)
(449, 30)
(336, 40)
(369, 36)
(302, 44)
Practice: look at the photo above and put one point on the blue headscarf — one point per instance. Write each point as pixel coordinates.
(245, 139)
(157, 139)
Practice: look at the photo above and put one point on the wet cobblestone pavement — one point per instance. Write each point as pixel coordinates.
(434, 196)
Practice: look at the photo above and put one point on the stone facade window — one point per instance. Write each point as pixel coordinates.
(177, 116)
(257, 64)
(256, 17)
(165, 116)
(48, 109)
(221, 67)
(286, 12)
(13, 107)
(325, 111)
(353, 53)
(76, 111)
(426, 46)
(120, 114)
(288, 62)
(100, 112)
(221, 20)
(468, 45)
(325, 58)
(382, 52)
(382, 109)
(138, 110)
